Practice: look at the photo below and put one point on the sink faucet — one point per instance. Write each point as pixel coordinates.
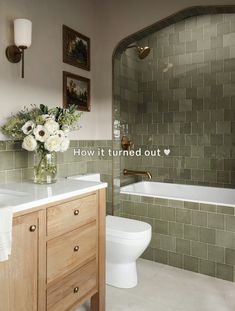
(139, 173)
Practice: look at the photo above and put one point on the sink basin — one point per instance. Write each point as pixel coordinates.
(7, 195)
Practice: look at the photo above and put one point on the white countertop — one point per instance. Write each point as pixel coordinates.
(29, 195)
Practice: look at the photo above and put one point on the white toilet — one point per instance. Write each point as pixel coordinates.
(126, 240)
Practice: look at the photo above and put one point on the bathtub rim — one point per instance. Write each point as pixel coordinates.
(122, 191)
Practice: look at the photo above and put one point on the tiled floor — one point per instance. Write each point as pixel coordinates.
(164, 288)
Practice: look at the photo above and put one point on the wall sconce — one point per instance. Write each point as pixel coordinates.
(23, 39)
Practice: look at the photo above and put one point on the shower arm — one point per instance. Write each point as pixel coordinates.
(132, 46)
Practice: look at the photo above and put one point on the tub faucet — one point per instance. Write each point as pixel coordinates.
(138, 173)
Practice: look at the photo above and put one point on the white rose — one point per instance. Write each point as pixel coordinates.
(53, 143)
(61, 134)
(64, 145)
(51, 126)
(29, 143)
(28, 127)
(41, 133)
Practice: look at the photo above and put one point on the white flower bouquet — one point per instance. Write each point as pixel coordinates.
(44, 131)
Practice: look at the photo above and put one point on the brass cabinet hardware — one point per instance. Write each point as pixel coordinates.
(76, 212)
(32, 228)
(76, 248)
(76, 289)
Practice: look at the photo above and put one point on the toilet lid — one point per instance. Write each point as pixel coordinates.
(126, 228)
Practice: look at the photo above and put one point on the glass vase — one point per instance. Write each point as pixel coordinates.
(45, 167)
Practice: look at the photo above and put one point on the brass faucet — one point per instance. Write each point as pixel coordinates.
(138, 173)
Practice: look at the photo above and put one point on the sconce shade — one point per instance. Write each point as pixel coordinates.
(22, 32)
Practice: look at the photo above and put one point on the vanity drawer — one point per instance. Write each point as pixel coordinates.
(71, 215)
(72, 288)
(71, 250)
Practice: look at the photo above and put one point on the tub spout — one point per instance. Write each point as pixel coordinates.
(137, 173)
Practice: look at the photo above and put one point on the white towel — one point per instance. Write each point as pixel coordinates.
(5, 232)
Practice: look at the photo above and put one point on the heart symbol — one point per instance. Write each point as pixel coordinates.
(167, 151)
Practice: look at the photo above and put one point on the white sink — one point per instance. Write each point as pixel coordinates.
(7, 195)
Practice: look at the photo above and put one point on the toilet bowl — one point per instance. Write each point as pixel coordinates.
(126, 240)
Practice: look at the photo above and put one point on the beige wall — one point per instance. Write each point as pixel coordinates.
(105, 21)
(44, 66)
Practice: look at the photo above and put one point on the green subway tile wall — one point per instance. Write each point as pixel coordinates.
(182, 97)
(192, 236)
(17, 164)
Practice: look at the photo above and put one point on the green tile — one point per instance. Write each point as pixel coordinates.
(229, 210)
(191, 232)
(224, 272)
(154, 211)
(207, 235)
(13, 145)
(230, 256)
(2, 145)
(6, 160)
(159, 201)
(199, 249)
(182, 246)
(148, 254)
(216, 253)
(14, 176)
(147, 200)
(225, 239)
(217, 140)
(128, 207)
(155, 241)
(230, 223)
(161, 226)
(176, 229)
(167, 242)
(141, 209)
(191, 205)
(191, 263)
(176, 203)
(216, 221)
(199, 218)
(176, 260)
(191, 163)
(184, 216)
(160, 256)
(207, 267)
(168, 213)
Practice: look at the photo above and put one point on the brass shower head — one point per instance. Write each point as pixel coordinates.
(143, 52)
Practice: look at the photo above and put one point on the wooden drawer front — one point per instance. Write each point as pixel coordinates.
(71, 250)
(71, 215)
(72, 288)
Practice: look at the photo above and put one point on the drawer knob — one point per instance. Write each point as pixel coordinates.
(76, 212)
(32, 228)
(76, 289)
(76, 248)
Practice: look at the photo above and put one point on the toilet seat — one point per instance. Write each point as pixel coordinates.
(125, 228)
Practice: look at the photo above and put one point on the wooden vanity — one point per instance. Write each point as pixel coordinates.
(58, 257)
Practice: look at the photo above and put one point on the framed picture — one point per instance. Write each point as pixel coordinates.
(76, 91)
(76, 48)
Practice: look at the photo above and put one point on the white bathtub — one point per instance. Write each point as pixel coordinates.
(201, 194)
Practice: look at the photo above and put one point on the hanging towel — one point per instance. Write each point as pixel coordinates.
(5, 232)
